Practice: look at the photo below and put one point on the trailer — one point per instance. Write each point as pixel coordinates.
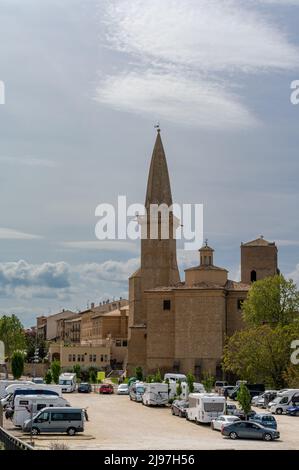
(155, 394)
(29, 405)
(203, 407)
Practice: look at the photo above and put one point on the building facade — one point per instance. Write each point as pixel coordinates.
(181, 326)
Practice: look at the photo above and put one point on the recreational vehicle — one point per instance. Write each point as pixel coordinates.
(198, 388)
(203, 407)
(155, 394)
(172, 377)
(29, 405)
(283, 400)
(5, 383)
(68, 382)
(136, 391)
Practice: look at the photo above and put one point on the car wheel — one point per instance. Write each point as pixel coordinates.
(233, 435)
(267, 437)
(279, 411)
(71, 431)
(35, 431)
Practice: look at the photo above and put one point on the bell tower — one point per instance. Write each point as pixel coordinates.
(258, 260)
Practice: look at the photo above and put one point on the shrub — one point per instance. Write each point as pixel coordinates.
(17, 364)
(48, 377)
(190, 382)
(55, 370)
(139, 373)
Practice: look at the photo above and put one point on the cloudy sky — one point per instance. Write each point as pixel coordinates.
(85, 82)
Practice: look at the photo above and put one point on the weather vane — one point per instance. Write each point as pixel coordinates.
(206, 241)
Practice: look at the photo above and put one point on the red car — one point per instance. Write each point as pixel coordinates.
(106, 388)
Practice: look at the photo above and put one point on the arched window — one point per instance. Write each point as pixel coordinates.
(253, 276)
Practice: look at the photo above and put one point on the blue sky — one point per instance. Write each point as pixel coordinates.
(85, 82)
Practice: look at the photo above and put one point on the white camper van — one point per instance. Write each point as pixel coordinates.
(283, 400)
(33, 386)
(27, 405)
(68, 382)
(198, 388)
(203, 407)
(5, 383)
(155, 394)
(172, 377)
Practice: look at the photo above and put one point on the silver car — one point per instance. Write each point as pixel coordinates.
(56, 419)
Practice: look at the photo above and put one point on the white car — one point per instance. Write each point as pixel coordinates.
(123, 389)
(223, 420)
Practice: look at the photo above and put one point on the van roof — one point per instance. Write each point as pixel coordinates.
(41, 396)
(67, 409)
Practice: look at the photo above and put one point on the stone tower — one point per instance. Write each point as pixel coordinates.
(258, 260)
(158, 255)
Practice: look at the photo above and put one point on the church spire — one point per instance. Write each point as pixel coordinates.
(158, 185)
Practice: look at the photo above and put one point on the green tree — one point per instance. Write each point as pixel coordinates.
(273, 300)
(77, 370)
(244, 399)
(139, 373)
(179, 388)
(93, 376)
(208, 381)
(17, 364)
(190, 382)
(55, 370)
(12, 334)
(48, 377)
(157, 377)
(150, 378)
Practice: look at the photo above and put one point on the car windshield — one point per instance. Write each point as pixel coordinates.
(140, 389)
(123, 386)
(231, 418)
(65, 382)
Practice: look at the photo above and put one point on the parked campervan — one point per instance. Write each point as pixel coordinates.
(5, 383)
(136, 391)
(56, 419)
(172, 377)
(30, 405)
(68, 382)
(283, 400)
(155, 394)
(34, 386)
(198, 388)
(203, 407)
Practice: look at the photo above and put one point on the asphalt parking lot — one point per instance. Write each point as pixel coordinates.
(115, 422)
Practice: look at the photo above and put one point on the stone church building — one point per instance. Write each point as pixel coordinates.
(176, 325)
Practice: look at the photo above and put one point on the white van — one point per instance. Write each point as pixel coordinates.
(171, 377)
(56, 419)
(283, 400)
(29, 405)
(68, 382)
(155, 394)
(203, 407)
(5, 383)
(33, 386)
(198, 388)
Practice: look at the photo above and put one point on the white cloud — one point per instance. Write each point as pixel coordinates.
(191, 102)
(287, 242)
(184, 57)
(116, 271)
(11, 234)
(29, 161)
(210, 35)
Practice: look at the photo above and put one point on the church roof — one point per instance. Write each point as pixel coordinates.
(158, 185)
(206, 267)
(207, 285)
(259, 242)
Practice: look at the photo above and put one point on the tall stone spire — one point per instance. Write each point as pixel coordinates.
(158, 184)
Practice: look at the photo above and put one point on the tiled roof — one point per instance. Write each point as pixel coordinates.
(259, 242)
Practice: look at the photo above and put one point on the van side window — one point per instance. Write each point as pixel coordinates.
(43, 417)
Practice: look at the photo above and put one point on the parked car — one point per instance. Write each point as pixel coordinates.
(242, 416)
(293, 410)
(265, 419)
(265, 398)
(249, 430)
(56, 419)
(84, 387)
(231, 409)
(38, 380)
(123, 389)
(106, 389)
(219, 384)
(223, 420)
(227, 389)
(179, 407)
